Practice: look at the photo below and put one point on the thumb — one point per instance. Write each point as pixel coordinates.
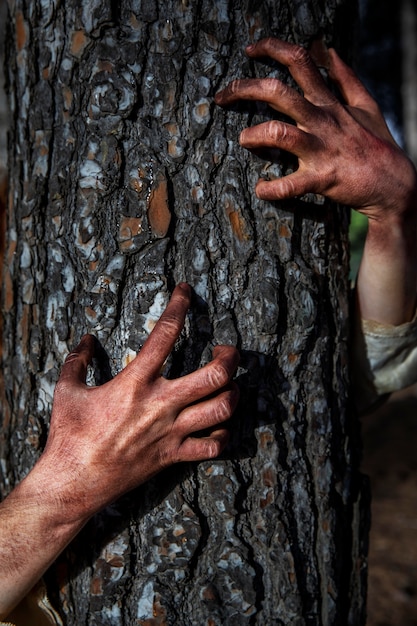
(361, 104)
(74, 369)
(351, 87)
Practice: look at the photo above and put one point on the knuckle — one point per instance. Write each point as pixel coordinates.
(218, 375)
(167, 457)
(285, 189)
(234, 86)
(61, 389)
(223, 410)
(276, 88)
(168, 326)
(300, 56)
(213, 447)
(275, 132)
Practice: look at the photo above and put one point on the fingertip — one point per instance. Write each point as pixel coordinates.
(336, 64)
(183, 290)
(258, 48)
(333, 53)
(204, 448)
(86, 344)
(75, 366)
(261, 189)
(277, 189)
(87, 340)
(228, 351)
(215, 443)
(333, 56)
(185, 287)
(222, 436)
(243, 137)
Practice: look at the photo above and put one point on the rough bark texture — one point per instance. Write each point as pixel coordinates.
(125, 179)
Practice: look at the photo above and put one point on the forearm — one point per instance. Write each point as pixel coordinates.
(387, 278)
(34, 530)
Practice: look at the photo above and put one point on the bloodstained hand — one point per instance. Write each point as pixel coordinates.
(345, 151)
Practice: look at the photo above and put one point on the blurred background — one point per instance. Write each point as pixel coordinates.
(3, 104)
(387, 63)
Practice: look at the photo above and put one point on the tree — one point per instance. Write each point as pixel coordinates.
(125, 179)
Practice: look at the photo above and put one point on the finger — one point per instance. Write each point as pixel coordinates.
(203, 448)
(275, 134)
(161, 341)
(291, 186)
(206, 381)
(352, 89)
(271, 90)
(362, 105)
(300, 64)
(208, 413)
(74, 369)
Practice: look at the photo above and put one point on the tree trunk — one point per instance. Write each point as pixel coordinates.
(124, 180)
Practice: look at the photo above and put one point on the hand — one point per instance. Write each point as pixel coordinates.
(107, 440)
(345, 151)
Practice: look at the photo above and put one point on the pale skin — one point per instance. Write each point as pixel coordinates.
(346, 153)
(107, 440)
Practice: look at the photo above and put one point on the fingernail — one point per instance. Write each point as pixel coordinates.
(250, 47)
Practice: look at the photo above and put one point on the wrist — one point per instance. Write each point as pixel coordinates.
(387, 279)
(53, 494)
(397, 201)
(395, 232)
(36, 526)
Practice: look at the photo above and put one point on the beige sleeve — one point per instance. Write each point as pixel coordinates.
(384, 360)
(34, 610)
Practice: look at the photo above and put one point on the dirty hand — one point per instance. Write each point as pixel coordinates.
(109, 439)
(345, 151)
(106, 440)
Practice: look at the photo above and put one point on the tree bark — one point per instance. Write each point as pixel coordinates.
(125, 179)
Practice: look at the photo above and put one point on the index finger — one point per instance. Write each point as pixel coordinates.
(161, 341)
(271, 90)
(74, 370)
(300, 64)
(352, 89)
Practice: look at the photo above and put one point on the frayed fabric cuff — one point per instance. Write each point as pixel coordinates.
(34, 610)
(385, 359)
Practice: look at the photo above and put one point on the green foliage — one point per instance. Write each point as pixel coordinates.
(357, 234)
